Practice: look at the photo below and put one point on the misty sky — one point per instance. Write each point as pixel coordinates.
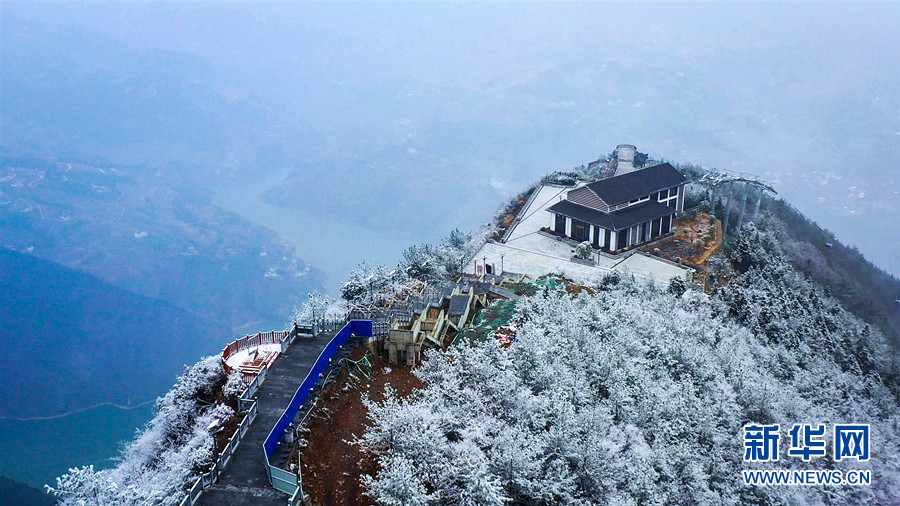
(458, 106)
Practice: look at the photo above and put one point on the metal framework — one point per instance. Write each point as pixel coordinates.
(719, 178)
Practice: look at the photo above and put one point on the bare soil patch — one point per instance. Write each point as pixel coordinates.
(331, 465)
(681, 247)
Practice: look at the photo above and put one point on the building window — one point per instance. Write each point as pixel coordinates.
(639, 200)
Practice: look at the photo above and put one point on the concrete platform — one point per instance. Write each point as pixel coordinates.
(530, 252)
(244, 480)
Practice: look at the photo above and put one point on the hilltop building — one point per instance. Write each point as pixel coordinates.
(632, 207)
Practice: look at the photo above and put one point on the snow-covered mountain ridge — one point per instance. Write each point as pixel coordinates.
(615, 390)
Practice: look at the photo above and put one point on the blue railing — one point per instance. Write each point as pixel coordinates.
(281, 479)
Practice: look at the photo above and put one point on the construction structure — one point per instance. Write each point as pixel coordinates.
(439, 322)
(719, 180)
(435, 326)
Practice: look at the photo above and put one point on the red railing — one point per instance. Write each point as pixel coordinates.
(252, 341)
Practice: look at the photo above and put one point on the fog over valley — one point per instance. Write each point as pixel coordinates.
(176, 175)
(414, 119)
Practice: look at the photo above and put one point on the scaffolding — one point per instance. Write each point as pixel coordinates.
(715, 180)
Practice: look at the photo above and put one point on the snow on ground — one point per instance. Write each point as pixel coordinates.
(645, 265)
(536, 264)
(535, 216)
(526, 251)
(235, 360)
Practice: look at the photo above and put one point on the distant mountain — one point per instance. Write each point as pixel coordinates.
(864, 288)
(77, 92)
(145, 230)
(71, 340)
(21, 494)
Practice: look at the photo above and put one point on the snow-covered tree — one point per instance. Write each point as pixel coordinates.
(426, 262)
(320, 307)
(369, 286)
(584, 250)
(175, 447)
(398, 484)
(423, 262)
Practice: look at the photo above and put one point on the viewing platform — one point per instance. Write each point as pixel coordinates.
(244, 480)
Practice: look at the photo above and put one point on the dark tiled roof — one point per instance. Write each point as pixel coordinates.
(637, 184)
(630, 216)
(482, 287)
(583, 213)
(617, 220)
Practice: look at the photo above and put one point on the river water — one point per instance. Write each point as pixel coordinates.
(328, 244)
(37, 451)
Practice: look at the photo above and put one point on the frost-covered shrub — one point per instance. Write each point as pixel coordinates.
(677, 286)
(234, 386)
(318, 307)
(721, 265)
(584, 250)
(609, 280)
(169, 453)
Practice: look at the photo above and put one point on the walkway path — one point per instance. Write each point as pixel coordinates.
(244, 480)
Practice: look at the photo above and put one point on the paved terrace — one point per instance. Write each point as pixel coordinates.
(244, 480)
(529, 252)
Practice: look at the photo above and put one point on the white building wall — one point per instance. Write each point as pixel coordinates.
(568, 227)
(552, 222)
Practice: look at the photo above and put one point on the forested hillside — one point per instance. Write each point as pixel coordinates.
(861, 286)
(629, 393)
(614, 390)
